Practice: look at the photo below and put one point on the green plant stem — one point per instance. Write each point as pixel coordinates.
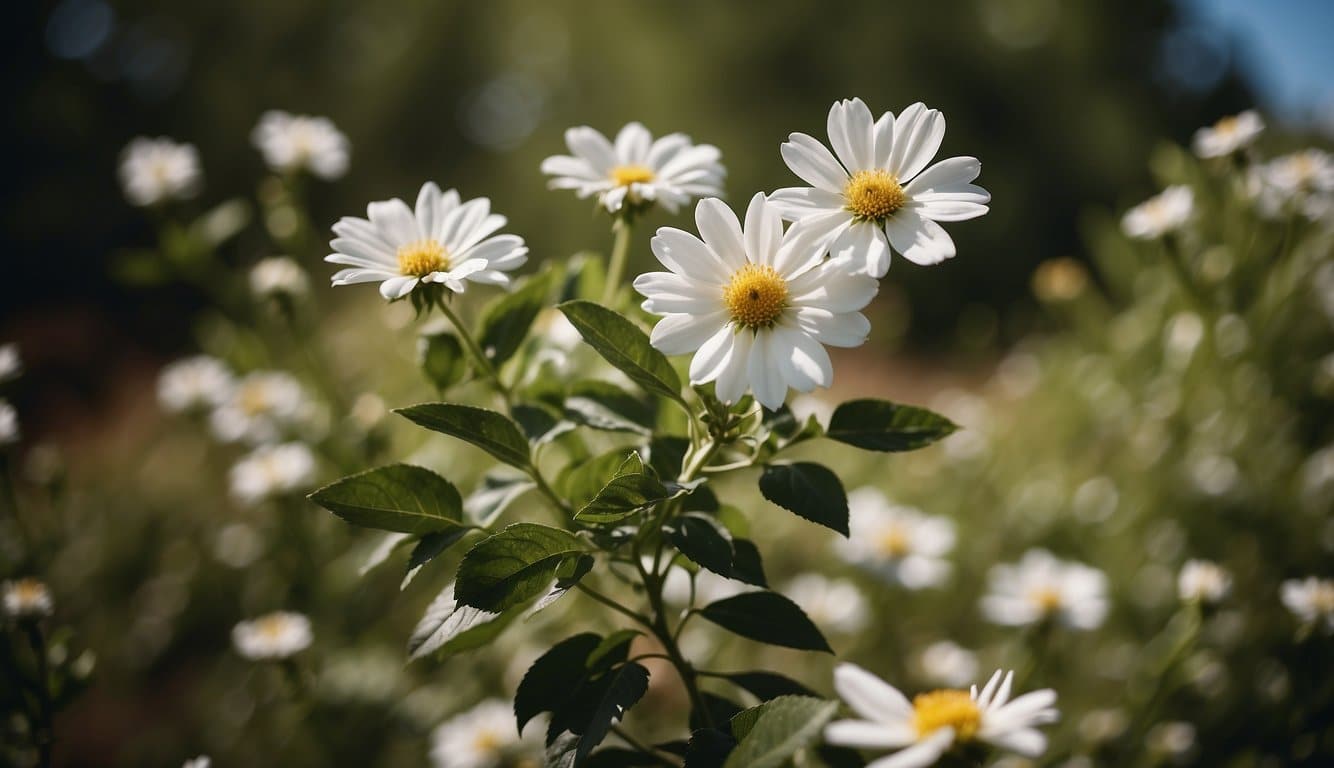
(474, 351)
(620, 253)
(43, 734)
(615, 606)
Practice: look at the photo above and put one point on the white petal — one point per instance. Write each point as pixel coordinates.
(397, 287)
(917, 135)
(668, 292)
(869, 696)
(1026, 742)
(948, 210)
(851, 129)
(813, 162)
(685, 254)
(720, 230)
(884, 140)
(763, 231)
(796, 203)
(921, 241)
(919, 755)
(564, 165)
(632, 144)
(949, 173)
(592, 146)
(459, 224)
(732, 379)
(862, 734)
(682, 334)
(803, 363)
(712, 356)
(864, 244)
(428, 204)
(665, 148)
(833, 286)
(496, 249)
(847, 329)
(984, 699)
(766, 379)
(395, 221)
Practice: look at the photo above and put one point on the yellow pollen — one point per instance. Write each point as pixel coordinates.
(1227, 125)
(487, 742)
(1046, 598)
(253, 399)
(422, 257)
(894, 542)
(874, 195)
(625, 175)
(29, 590)
(938, 709)
(272, 627)
(756, 296)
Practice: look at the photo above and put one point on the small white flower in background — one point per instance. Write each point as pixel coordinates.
(636, 171)
(1203, 581)
(292, 143)
(156, 170)
(1165, 212)
(948, 663)
(756, 307)
(806, 407)
(9, 424)
(1301, 173)
(1228, 134)
(259, 406)
(1041, 587)
(27, 599)
(484, 737)
(278, 276)
(275, 636)
(900, 544)
(879, 193)
(272, 470)
(835, 605)
(194, 383)
(709, 586)
(1311, 600)
(924, 729)
(11, 363)
(443, 241)
(203, 761)
(1174, 738)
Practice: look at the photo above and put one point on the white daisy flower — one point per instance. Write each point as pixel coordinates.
(948, 663)
(9, 424)
(636, 171)
(924, 729)
(11, 363)
(27, 599)
(1041, 587)
(271, 470)
(203, 761)
(278, 276)
(155, 170)
(443, 241)
(258, 408)
(709, 586)
(1228, 134)
(1165, 212)
(1304, 172)
(900, 544)
(1203, 581)
(273, 636)
(1310, 599)
(756, 307)
(193, 383)
(292, 143)
(833, 604)
(879, 192)
(485, 737)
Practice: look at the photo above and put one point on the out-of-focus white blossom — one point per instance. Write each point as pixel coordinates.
(203, 761)
(27, 599)
(836, 605)
(1203, 581)
(156, 170)
(259, 408)
(278, 276)
(292, 143)
(273, 636)
(11, 363)
(948, 663)
(272, 470)
(898, 543)
(194, 383)
(9, 424)
(485, 737)
(1165, 212)
(1041, 587)
(1228, 134)
(1311, 600)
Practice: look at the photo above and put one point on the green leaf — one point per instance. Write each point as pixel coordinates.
(720, 710)
(627, 492)
(550, 680)
(808, 490)
(784, 726)
(399, 497)
(621, 343)
(448, 627)
(609, 697)
(704, 542)
(580, 481)
(442, 359)
(768, 685)
(494, 495)
(488, 430)
(708, 748)
(769, 618)
(514, 566)
(539, 424)
(746, 565)
(879, 425)
(605, 406)
(506, 321)
(428, 548)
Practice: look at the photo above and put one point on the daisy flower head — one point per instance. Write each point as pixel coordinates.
(272, 470)
(484, 737)
(900, 544)
(9, 424)
(635, 172)
(258, 408)
(442, 242)
(27, 599)
(833, 604)
(1168, 211)
(1203, 581)
(874, 192)
(1301, 173)
(1041, 587)
(273, 636)
(292, 143)
(203, 761)
(11, 363)
(278, 276)
(156, 170)
(924, 729)
(194, 383)
(1311, 600)
(1228, 134)
(756, 306)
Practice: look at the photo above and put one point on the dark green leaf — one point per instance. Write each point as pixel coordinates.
(808, 490)
(568, 573)
(619, 757)
(623, 688)
(746, 564)
(514, 566)
(879, 425)
(429, 547)
(769, 685)
(399, 497)
(448, 628)
(708, 748)
(496, 493)
(720, 710)
(539, 424)
(442, 359)
(784, 726)
(580, 481)
(769, 618)
(704, 542)
(505, 322)
(485, 429)
(629, 491)
(602, 405)
(621, 343)
(666, 453)
(551, 679)
(613, 649)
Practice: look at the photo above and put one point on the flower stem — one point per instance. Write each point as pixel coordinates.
(620, 253)
(474, 351)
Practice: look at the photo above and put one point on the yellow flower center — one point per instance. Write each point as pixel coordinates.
(422, 257)
(874, 195)
(273, 627)
(894, 542)
(29, 591)
(487, 742)
(253, 399)
(625, 175)
(1227, 125)
(756, 296)
(1046, 598)
(938, 709)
